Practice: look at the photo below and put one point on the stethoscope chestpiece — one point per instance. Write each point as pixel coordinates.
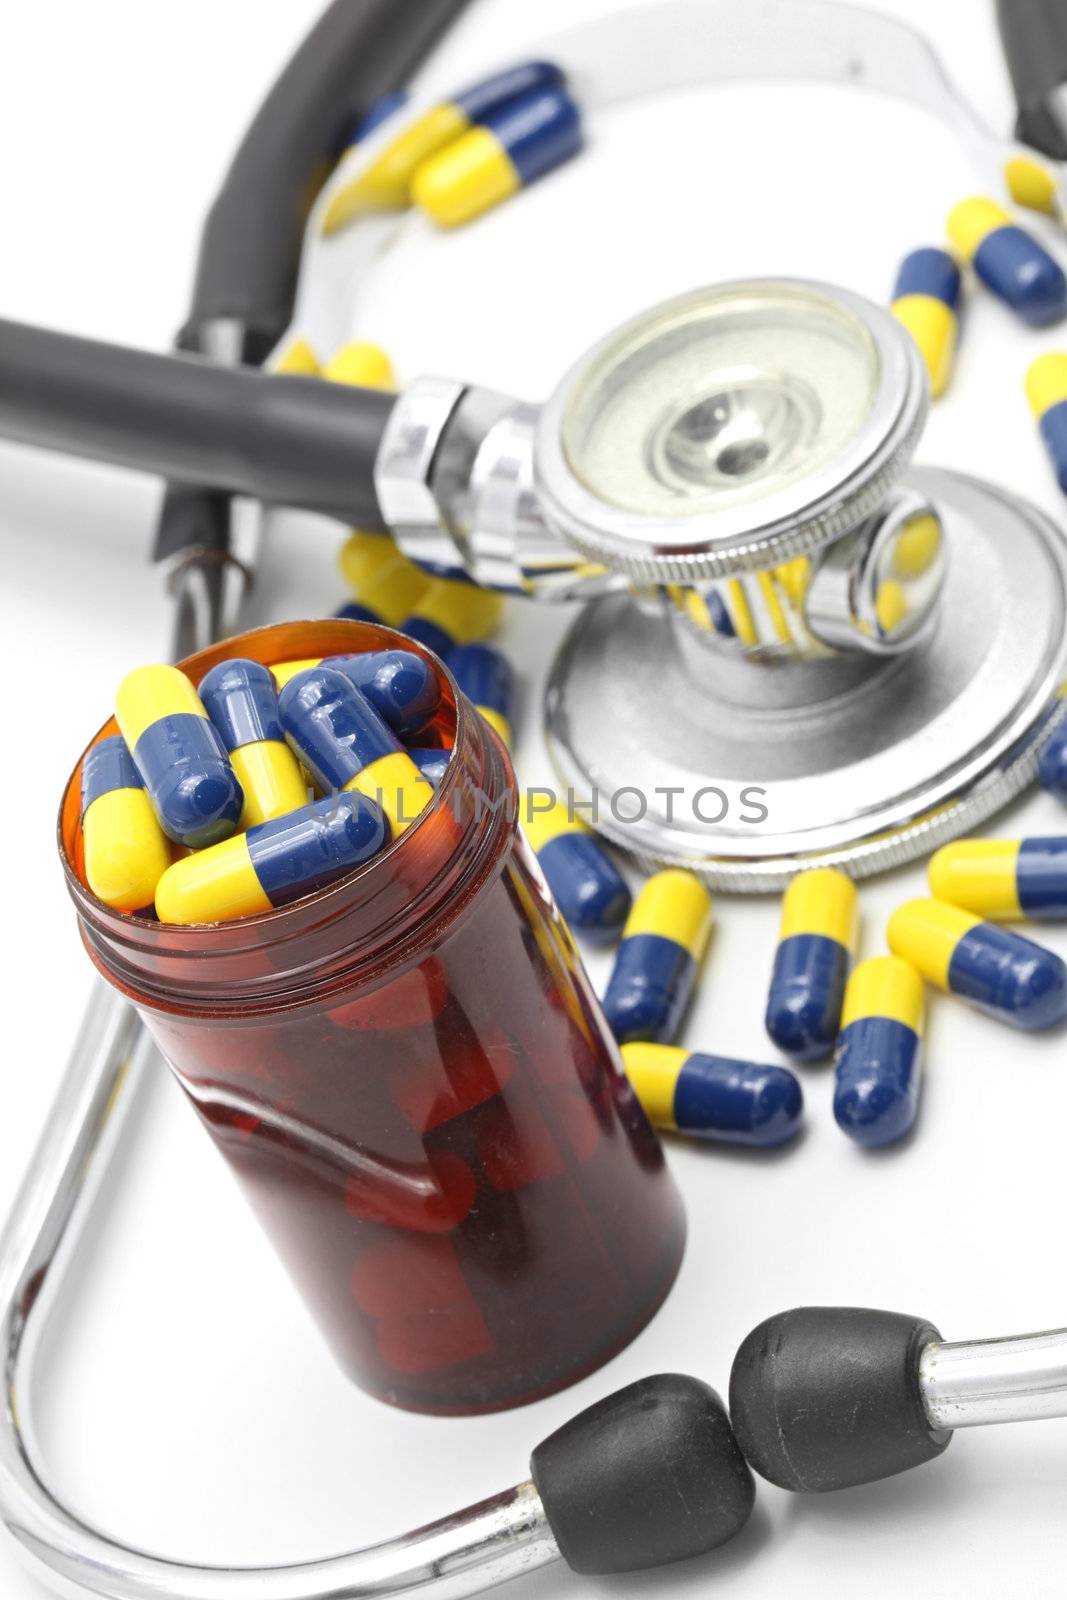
(733, 428)
(798, 650)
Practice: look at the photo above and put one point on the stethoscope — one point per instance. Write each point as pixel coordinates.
(531, 500)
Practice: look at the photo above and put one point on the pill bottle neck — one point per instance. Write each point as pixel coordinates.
(374, 922)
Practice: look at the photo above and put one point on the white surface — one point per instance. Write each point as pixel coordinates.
(187, 1402)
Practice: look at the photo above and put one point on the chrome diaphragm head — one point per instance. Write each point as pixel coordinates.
(798, 650)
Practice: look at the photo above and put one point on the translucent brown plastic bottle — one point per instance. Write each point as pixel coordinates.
(412, 1079)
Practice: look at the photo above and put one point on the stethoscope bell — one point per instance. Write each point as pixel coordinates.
(796, 649)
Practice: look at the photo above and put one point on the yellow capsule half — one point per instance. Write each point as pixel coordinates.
(673, 905)
(980, 876)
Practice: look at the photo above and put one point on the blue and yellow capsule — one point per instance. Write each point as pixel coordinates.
(878, 1061)
(240, 698)
(519, 142)
(274, 862)
(1003, 880)
(714, 1097)
(1046, 391)
(1009, 261)
(1000, 972)
(452, 612)
(386, 185)
(1032, 184)
(926, 301)
(126, 850)
(486, 678)
(346, 746)
(431, 763)
(590, 891)
(663, 945)
(179, 754)
(816, 943)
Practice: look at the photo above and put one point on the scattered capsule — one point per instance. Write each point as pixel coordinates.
(126, 850)
(926, 301)
(663, 944)
(815, 946)
(1052, 762)
(917, 545)
(431, 763)
(386, 185)
(386, 586)
(1046, 390)
(714, 1097)
(514, 145)
(1032, 184)
(297, 360)
(998, 971)
(179, 754)
(345, 745)
(452, 612)
(361, 363)
(274, 862)
(485, 677)
(1003, 879)
(1009, 261)
(877, 1065)
(240, 698)
(400, 685)
(587, 886)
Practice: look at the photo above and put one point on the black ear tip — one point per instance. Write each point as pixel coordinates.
(649, 1475)
(826, 1397)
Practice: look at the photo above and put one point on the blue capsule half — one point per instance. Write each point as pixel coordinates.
(433, 764)
(592, 895)
(1052, 762)
(240, 698)
(400, 685)
(351, 611)
(486, 678)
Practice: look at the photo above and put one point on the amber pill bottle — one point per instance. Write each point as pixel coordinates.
(410, 1075)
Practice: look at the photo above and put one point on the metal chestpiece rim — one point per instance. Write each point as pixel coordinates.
(811, 511)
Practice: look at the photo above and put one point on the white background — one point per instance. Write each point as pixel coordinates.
(187, 1403)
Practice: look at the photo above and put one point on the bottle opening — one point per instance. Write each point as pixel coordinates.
(380, 916)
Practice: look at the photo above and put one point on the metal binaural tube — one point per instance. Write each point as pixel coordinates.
(982, 1381)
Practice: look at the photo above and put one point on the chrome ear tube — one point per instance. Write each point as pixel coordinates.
(806, 651)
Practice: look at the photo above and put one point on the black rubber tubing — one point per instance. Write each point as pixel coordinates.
(1034, 36)
(286, 441)
(827, 1397)
(651, 1474)
(249, 249)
